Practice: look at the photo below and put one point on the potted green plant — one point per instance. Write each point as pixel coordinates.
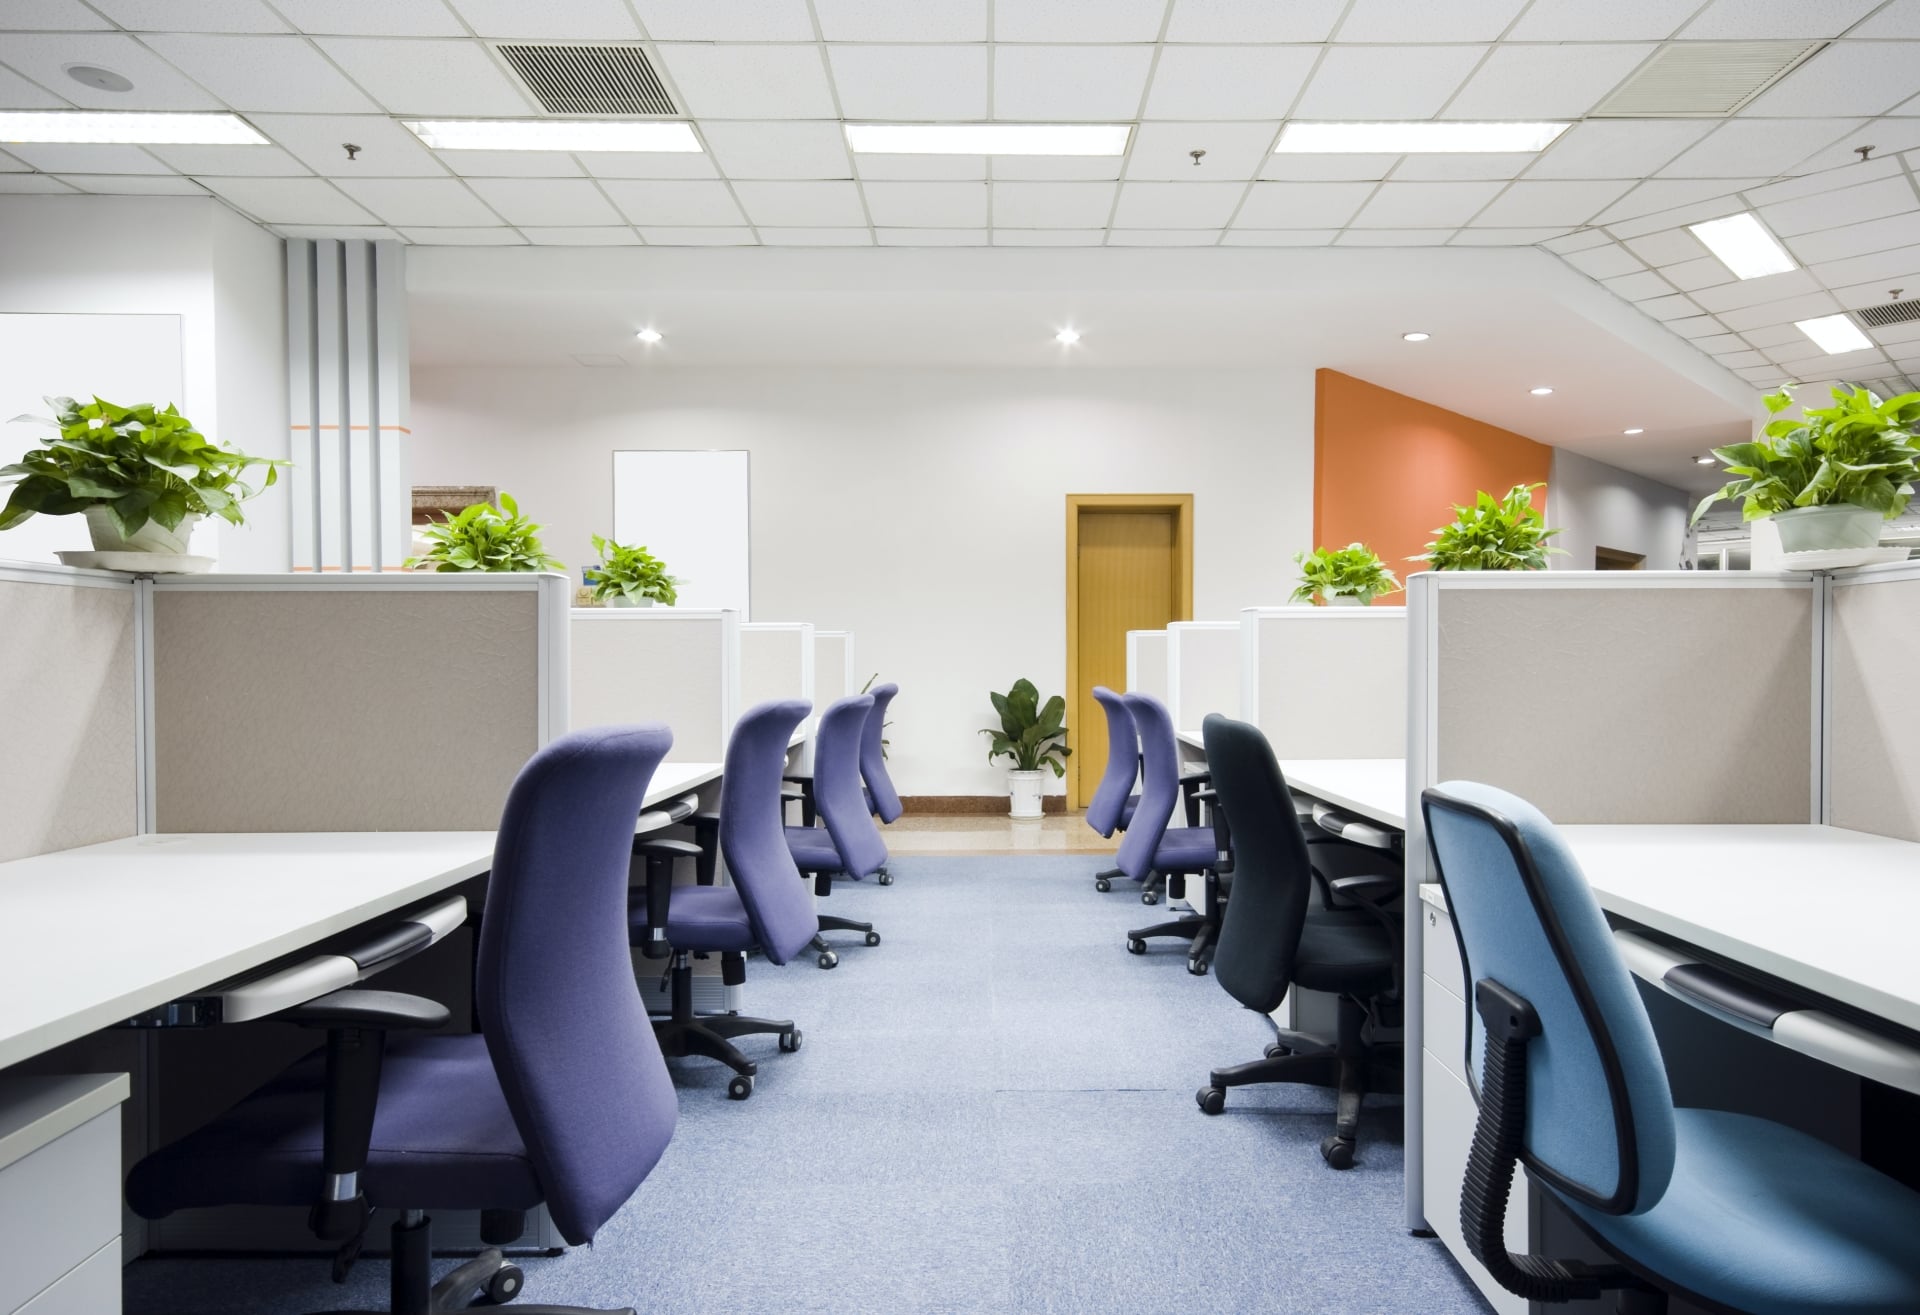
(1830, 478)
(142, 476)
(1032, 736)
(484, 538)
(1493, 534)
(1352, 576)
(630, 577)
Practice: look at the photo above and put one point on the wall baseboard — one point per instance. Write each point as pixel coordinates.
(970, 805)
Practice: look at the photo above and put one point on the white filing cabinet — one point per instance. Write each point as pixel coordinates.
(1448, 1111)
(60, 1194)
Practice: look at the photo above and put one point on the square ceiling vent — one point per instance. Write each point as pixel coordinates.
(1704, 79)
(603, 80)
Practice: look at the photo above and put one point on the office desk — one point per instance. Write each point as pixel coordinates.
(1373, 788)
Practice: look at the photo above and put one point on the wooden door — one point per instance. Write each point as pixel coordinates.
(1129, 569)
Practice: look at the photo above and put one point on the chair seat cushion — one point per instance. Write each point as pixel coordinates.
(1344, 952)
(1185, 848)
(703, 918)
(443, 1139)
(1765, 1219)
(813, 849)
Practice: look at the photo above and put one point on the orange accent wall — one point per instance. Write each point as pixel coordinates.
(1388, 468)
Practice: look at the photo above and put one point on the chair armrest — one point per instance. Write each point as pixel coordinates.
(660, 854)
(1376, 890)
(1191, 783)
(1222, 839)
(804, 780)
(375, 1011)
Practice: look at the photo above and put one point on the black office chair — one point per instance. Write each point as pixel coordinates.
(1274, 934)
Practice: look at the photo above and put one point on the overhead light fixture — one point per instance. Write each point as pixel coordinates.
(988, 138)
(1413, 138)
(1633, 431)
(1540, 392)
(124, 128)
(648, 335)
(1834, 334)
(1416, 337)
(1744, 246)
(1704, 460)
(555, 135)
(1067, 337)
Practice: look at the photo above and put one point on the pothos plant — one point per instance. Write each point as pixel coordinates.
(1031, 735)
(884, 741)
(1354, 571)
(138, 463)
(1859, 452)
(484, 538)
(631, 572)
(1493, 534)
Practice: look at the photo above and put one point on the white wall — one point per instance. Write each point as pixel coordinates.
(923, 509)
(184, 256)
(1601, 506)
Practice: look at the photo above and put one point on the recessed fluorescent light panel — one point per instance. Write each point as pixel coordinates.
(1744, 246)
(1413, 138)
(1834, 334)
(118, 127)
(988, 138)
(554, 135)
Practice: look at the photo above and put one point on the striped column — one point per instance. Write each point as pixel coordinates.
(347, 393)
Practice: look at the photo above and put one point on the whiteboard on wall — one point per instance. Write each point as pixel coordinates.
(123, 358)
(690, 509)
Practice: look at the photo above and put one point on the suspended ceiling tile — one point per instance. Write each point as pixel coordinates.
(231, 161)
(672, 204)
(1616, 20)
(1233, 151)
(454, 79)
(1078, 20)
(1544, 82)
(157, 85)
(1424, 205)
(1550, 203)
(1386, 82)
(927, 205)
(1228, 82)
(187, 15)
(750, 81)
(1302, 205)
(1052, 205)
(289, 200)
(1422, 20)
(1618, 148)
(1756, 147)
(1083, 84)
(280, 73)
(911, 83)
(802, 204)
(1759, 20)
(816, 237)
(548, 20)
(779, 149)
(1177, 205)
(319, 141)
(890, 20)
(373, 18)
(1234, 22)
(424, 202)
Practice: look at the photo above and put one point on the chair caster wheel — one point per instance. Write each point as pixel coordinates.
(1278, 1051)
(1102, 885)
(1149, 897)
(505, 1284)
(739, 1088)
(1337, 1151)
(828, 958)
(873, 938)
(1135, 945)
(790, 1040)
(1212, 1100)
(884, 877)
(1198, 967)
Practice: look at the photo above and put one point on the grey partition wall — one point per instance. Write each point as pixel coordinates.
(671, 664)
(72, 647)
(389, 702)
(1203, 671)
(1872, 745)
(1326, 682)
(1147, 663)
(776, 661)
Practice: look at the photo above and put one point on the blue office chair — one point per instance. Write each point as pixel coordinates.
(881, 796)
(1152, 851)
(1113, 802)
(562, 1098)
(1726, 1211)
(765, 909)
(849, 844)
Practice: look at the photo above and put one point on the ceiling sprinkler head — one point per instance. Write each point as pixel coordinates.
(1197, 154)
(353, 152)
(1863, 152)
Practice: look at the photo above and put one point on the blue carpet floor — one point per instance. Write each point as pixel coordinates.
(992, 1111)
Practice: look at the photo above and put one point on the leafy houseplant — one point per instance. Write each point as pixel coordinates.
(1353, 574)
(884, 741)
(1830, 477)
(631, 577)
(484, 538)
(1494, 534)
(1033, 737)
(142, 476)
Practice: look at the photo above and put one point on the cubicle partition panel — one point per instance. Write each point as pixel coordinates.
(1326, 682)
(834, 676)
(1147, 663)
(776, 661)
(350, 702)
(73, 649)
(670, 664)
(1203, 671)
(1871, 750)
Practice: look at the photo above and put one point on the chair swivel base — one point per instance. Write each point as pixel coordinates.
(710, 1037)
(828, 958)
(1103, 881)
(1354, 1075)
(1196, 928)
(486, 1281)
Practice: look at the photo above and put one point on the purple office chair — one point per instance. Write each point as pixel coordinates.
(562, 1098)
(849, 844)
(1152, 851)
(1112, 805)
(766, 907)
(881, 796)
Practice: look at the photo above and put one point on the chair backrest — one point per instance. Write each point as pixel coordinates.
(873, 759)
(1159, 785)
(753, 835)
(1599, 1111)
(563, 1018)
(836, 786)
(1272, 870)
(1109, 800)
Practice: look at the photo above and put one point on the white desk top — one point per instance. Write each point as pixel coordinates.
(1831, 910)
(1193, 740)
(1374, 788)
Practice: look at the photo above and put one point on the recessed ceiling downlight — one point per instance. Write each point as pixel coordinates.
(1633, 431)
(100, 79)
(1416, 336)
(1067, 337)
(1542, 391)
(648, 335)
(1705, 459)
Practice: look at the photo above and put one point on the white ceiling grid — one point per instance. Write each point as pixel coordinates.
(767, 83)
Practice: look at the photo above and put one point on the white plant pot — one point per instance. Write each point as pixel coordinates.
(622, 600)
(1344, 600)
(1026, 789)
(1825, 529)
(152, 537)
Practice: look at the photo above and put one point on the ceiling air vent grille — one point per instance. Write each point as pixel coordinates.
(1894, 312)
(590, 79)
(1704, 79)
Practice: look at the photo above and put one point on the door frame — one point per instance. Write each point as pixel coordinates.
(1181, 505)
